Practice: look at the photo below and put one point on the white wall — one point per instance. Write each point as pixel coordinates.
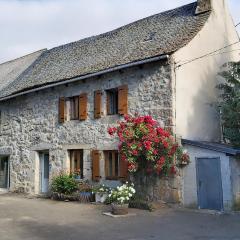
(196, 93)
(190, 198)
(235, 168)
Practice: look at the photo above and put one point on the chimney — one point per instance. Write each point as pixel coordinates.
(203, 6)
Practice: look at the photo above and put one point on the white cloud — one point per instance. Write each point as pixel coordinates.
(29, 25)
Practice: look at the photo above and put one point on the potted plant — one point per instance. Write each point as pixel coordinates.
(101, 193)
(85, 191)
(120, 198)
(77, 174)
(63, 186)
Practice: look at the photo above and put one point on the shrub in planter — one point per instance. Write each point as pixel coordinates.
(101, 193)
(120, 197)
(64, 183)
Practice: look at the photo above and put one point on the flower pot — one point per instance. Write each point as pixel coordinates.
(101, 197)
(118, 209)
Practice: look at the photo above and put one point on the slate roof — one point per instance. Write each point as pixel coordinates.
(10, 71)
(153, 36)
(219, 147)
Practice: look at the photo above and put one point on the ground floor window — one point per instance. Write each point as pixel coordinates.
(4, 172)
(112, 169)
(76, 162)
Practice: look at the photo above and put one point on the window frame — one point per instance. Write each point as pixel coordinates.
(73, 110)
(72, 155)
(115, 169)
(112, 101)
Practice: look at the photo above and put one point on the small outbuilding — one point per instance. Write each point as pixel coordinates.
(212, 179)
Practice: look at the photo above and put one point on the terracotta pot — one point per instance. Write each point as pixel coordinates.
(118, 209)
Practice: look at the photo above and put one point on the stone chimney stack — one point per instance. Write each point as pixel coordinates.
(203, 6)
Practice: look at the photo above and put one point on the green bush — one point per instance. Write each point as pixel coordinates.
(64, 183)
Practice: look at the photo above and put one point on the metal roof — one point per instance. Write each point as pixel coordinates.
(218, 147)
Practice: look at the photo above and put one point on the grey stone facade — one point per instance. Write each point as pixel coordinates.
(30, 124)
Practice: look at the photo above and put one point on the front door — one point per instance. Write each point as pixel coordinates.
(44, 172)
(4, 173)
(209, 183)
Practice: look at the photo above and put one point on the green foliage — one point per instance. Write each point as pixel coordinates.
(101, 189)
(123, 194)
(64, 183)
(229, 103)
(146, 147)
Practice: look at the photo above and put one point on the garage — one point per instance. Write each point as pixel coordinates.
(212, 179)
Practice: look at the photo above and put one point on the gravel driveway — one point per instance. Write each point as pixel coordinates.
(40, 219)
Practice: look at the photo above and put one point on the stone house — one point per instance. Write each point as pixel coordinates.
(56, 105)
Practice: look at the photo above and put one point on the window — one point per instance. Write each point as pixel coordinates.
(112, 169)
(73, 108)
(76, 162)
(72, 105)
(112, 101)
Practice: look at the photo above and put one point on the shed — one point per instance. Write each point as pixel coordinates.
(212, 179)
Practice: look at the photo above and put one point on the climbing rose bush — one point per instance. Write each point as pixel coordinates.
(148, 147)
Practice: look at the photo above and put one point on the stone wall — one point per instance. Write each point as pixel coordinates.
(30, 123)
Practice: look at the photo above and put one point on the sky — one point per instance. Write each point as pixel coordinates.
(30, 25)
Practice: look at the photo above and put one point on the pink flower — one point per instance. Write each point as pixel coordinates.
(111, 131)
(163, 132)
(135, 152)
(132, 167)
(149, 119)
(147, 145)
(161, 161)
(173, 170)
(165, 144)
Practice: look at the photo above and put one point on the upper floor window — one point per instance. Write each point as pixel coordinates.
(112, 101)
(72, 108)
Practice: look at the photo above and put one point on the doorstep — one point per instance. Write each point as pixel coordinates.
(3, 191)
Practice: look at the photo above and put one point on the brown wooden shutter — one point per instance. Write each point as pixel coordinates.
(95, 165)
(123, 169)
(97, 104)
(123, 100)
(83, 107)
(61, 110)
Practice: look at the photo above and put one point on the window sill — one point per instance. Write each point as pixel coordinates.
(113, 178)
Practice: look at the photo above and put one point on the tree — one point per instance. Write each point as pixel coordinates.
(229, 103)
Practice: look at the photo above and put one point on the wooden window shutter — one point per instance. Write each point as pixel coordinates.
(96, 165)
(83, 107)
(123, 100)
(123, 169)
(97, 104)
(61, 110)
